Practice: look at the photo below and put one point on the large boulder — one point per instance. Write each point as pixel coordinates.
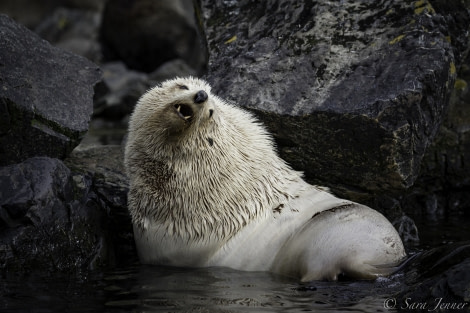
(122, 88)
(147, 33)
(65, 217)
(104, 167)
(443, 186)
(437, 280)
(46, 224)
(46, 96)
(74, 30)
(354, 92)
(28, 12)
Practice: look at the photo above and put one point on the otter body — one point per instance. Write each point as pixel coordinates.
(208, 189)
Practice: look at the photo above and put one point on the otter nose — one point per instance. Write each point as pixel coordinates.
(200, 97)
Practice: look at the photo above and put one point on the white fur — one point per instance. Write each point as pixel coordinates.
(213, 192)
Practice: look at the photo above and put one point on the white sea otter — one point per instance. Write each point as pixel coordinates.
(208, 189)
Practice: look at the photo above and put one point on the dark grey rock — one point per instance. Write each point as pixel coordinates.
(45, 224)
(31, 13)
(59, 218)
(171, 69)
(438, 276)
(407, 229)
(123, 88)
(103, 165)
(90, 5)
(45, 96)
(73, 30)
(147, 33)
(28, 12)
(104, 131)
(443, 186)
(354, 92)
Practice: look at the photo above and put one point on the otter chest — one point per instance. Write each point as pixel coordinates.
(156, 246)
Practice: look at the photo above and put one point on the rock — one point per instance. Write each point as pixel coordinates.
(45, 224)
(91, 5)
(73, 30)
(444, 183)
(171, 69)
(438, 276)
(31, 13)
(103, 165)
(147, 33)
(45, 96)
(104, 131)
(353, 92)
(407, 229)
(58, 219)
(28, 12)
(123, 88)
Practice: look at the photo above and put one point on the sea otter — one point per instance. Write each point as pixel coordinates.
(207, 188)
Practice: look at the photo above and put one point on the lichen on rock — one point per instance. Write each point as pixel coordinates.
(354, 92)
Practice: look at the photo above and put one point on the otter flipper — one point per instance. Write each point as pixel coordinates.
(352, 240)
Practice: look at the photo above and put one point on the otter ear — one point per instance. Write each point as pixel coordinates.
(211, 111)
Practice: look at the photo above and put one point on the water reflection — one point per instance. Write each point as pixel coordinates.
(160, 289)
(138, 288)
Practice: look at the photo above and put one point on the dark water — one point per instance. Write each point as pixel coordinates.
(158, 289)
(137, 288)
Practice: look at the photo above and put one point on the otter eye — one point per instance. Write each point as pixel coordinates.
(184, 87)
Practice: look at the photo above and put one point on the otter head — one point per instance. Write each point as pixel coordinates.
(175, 106)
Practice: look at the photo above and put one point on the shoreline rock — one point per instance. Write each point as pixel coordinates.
(353, 94)
(65, 216)
(46, 96)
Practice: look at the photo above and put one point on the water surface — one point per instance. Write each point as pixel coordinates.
(139, 288)
(162, 289)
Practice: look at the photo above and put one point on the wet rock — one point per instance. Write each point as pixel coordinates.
(407, 229)
(31, 13)
(104, 131)
(438, 276)
(90, 5)
(147, 33)
(73, 30)
(354, 92)
(45, 96)
(55, 217)
(123, 88)
(104, 167)
(443, 186)
(28, 12)
(45, 224)
(171, 69)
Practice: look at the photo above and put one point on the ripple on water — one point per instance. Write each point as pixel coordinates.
(139, 288)
(160, 289)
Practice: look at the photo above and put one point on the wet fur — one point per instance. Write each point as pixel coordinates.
(208, 188)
